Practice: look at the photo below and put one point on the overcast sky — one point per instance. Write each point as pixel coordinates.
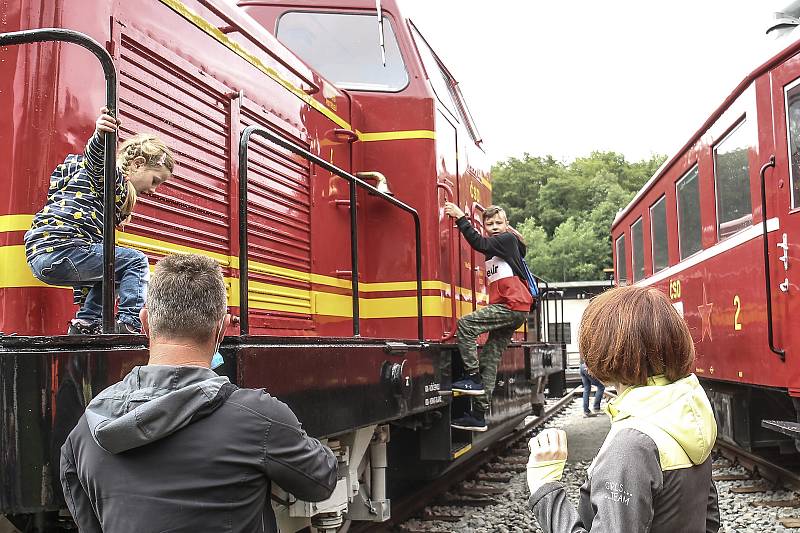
(566, 78)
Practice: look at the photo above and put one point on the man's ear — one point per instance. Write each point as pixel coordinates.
(143, 316)
(226, 322)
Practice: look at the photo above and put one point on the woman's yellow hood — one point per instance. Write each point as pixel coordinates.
(680, 408)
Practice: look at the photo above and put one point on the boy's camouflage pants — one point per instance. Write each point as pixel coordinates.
(500, 322)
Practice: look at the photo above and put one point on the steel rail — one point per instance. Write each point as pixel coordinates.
(759, 465)
(109, 146)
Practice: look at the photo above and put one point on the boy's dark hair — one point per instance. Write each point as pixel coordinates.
(630, 333)
(493, 210)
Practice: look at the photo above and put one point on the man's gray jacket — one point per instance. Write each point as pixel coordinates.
(179, 448)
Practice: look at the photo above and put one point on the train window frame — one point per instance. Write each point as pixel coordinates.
(634, 265)
(449, 81)
(692, 173)
(745, 221)
(623, 257)
(794, 177)
(388, 37)
(660, 203)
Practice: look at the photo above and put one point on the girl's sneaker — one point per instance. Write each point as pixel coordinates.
(126, 329)
(79, 327)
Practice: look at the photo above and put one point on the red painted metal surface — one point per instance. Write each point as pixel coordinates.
(198, 98)
(721, 289)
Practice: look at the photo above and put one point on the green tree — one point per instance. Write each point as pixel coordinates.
(516, 184)
(565, 212)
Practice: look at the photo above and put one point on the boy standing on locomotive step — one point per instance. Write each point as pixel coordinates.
(509, 303)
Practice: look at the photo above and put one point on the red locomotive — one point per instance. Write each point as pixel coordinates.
(348, 295)
(717, 228)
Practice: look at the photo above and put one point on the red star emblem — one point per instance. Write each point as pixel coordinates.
(705, 315)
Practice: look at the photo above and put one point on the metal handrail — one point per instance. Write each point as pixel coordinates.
(109, 146)
(770, 333)
(474, 274)
(354, 182)
(453, 283)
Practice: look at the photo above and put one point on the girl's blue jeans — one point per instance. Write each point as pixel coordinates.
(82, 266)
(588, 381)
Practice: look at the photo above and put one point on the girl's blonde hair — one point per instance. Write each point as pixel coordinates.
(146, 145)
(130, 203)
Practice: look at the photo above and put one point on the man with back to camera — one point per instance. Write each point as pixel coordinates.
(509, 303)
(175, 447)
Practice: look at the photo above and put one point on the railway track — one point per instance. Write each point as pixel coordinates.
(489, 479)
(749, 484)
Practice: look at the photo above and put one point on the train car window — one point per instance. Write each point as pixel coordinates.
(658, 234)
(793, 131)
(687, 191)
(622, 262)
(441, 82)
(637, 246)
(344, 48)
(732, 180)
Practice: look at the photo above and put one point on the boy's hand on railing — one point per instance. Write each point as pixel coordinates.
(453, 210)
(105, 122)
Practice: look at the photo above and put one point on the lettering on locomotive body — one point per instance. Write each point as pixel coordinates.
(474, 192)
(674, 289)
(433, 387)
(738, 303)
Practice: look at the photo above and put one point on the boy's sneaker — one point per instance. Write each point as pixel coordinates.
(126, 329)
(470, 422)
(79, 327)
(589, 414)
(469, 387)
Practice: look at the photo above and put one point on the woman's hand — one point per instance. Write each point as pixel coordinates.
(548, 455)
(453, 210)
(105, 122)
(549, 445)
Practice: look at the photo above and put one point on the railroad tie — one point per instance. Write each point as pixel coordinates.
(776, 503)
(749, 489)
(732, 477)
(450, 517)
(494, 478)
(481, 490)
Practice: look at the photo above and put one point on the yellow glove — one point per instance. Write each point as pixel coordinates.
(548, 456)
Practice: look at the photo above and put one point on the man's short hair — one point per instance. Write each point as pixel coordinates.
(186, 298)
(630, 333)
(493, 210)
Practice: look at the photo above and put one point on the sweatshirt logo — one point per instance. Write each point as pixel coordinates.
(497, 269)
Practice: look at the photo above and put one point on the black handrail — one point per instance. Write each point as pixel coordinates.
(770, 335)
(110, 146)
(354, 182)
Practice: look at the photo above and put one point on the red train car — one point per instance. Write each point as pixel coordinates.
(198, 73)
(717, 228)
